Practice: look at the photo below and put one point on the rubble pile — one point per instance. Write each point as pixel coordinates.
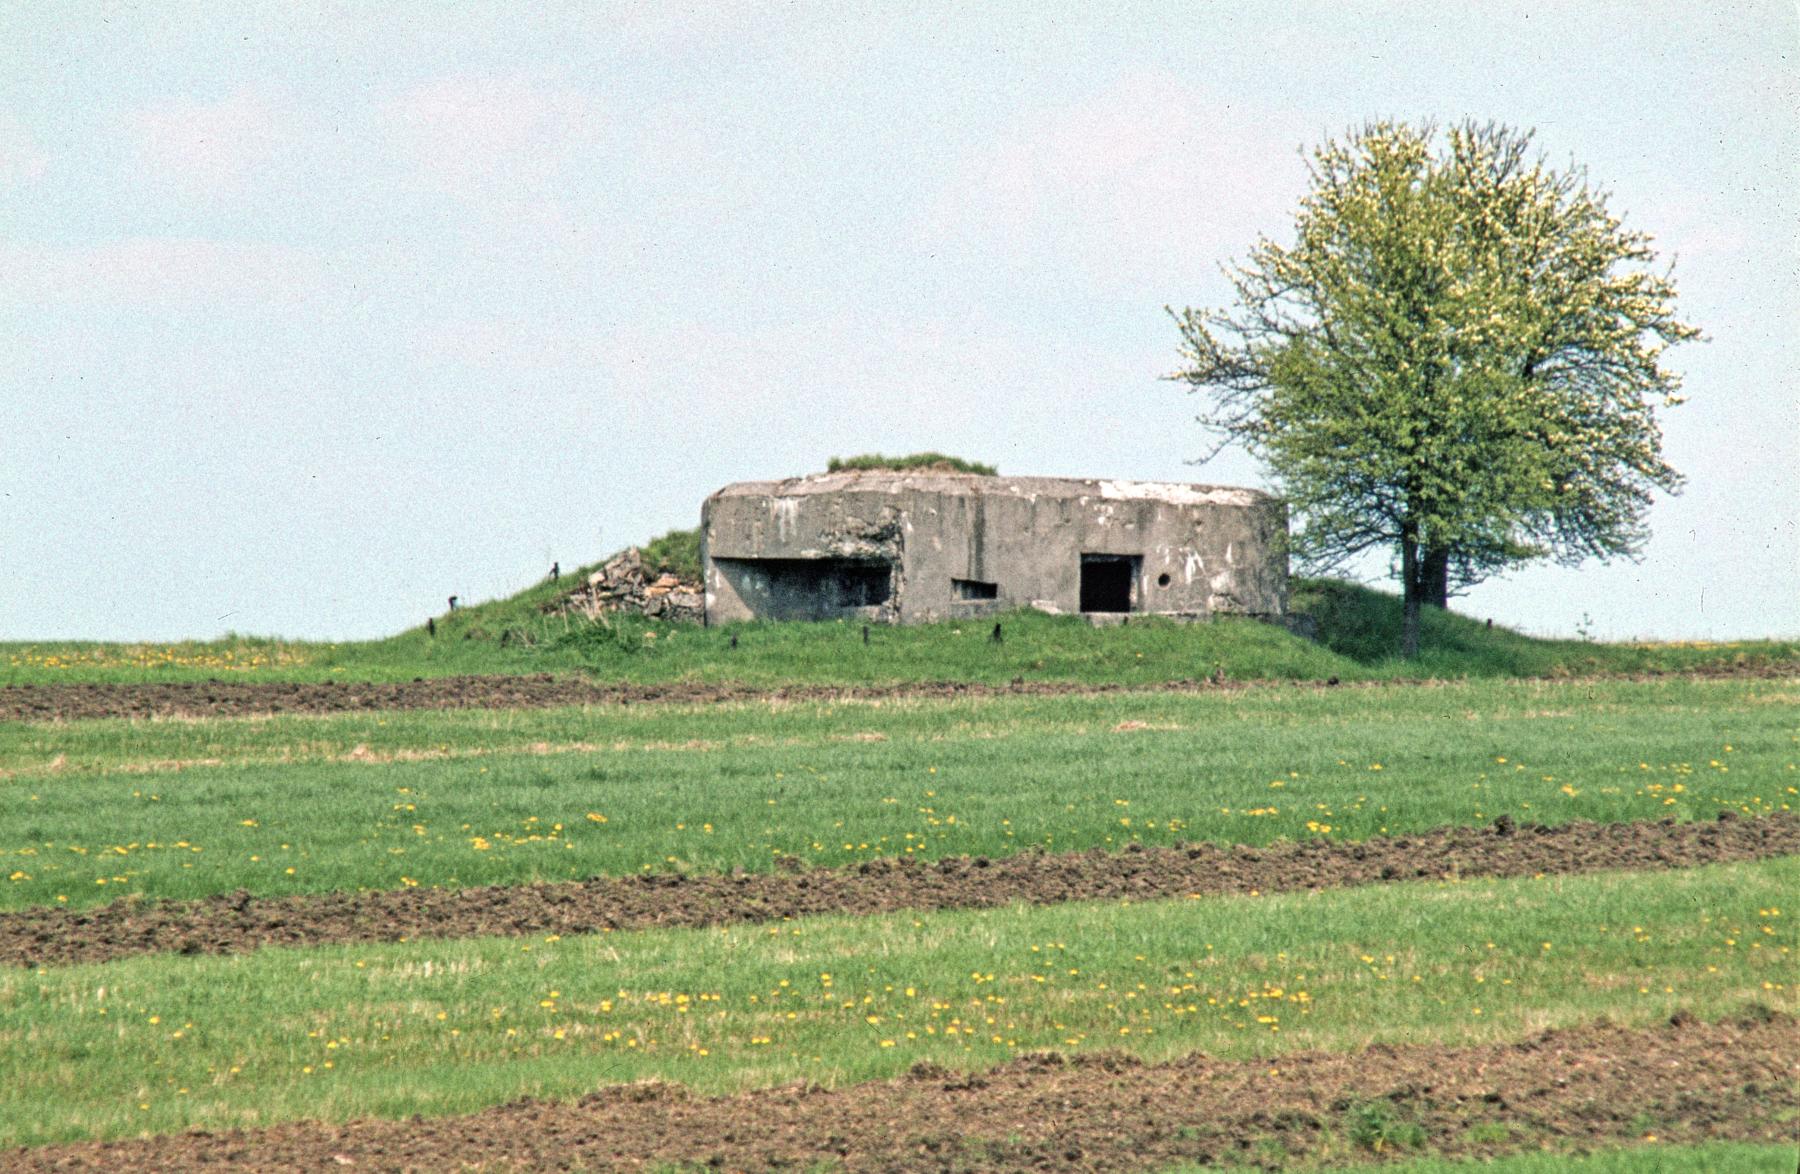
(625, 584)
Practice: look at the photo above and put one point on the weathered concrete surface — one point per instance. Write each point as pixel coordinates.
(918, 546)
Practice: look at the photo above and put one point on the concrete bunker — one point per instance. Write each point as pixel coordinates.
(902, 547)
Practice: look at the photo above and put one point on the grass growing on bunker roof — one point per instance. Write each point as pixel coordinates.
(930, 462)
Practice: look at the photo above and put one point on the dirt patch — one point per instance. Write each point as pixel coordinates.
(74, 702)
(1683, 1082)
(36, 703)
(237, 922)
(200, 699)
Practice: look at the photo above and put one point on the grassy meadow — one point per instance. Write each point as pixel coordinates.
(179, 808)
(172, 1042)
(97, 811)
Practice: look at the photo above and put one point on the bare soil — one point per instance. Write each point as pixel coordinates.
(238, 922)
(1679, 1083)
(201, 699)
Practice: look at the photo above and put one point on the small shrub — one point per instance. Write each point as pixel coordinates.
(932, 462)
(1487, 1133)
(603, 638)
(1376, 1126)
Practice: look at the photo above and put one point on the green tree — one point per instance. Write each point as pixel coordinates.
(1458, 359)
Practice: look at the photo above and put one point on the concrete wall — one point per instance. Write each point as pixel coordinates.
(1199, 550)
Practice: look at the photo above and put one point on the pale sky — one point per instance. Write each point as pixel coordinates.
(315, 314)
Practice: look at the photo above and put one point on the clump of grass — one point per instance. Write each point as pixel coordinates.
(930, 462)
(677, 553)
(1379, 1126)
(605, 637)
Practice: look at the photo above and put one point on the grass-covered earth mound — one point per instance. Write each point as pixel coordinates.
(1357, 637)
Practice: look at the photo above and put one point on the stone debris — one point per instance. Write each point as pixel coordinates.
(626, 584)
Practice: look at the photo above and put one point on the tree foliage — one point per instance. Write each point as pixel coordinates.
(1459, 358)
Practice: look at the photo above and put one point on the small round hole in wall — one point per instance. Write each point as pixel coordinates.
(1162, 580)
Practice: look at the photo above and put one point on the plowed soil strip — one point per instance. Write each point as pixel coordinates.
(37, 703)
(1683, 1082)
(238, 922)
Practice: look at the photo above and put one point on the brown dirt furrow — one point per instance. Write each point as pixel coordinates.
(194, 699)
(232, 923)
(1580, 1088)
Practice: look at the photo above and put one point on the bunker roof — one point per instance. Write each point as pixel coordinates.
(976, 485)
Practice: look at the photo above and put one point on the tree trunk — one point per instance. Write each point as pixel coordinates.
(1411, 584)
(1435, 571)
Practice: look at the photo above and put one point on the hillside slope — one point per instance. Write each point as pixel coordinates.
(1357, 633)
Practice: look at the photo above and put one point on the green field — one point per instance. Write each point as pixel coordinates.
(436, 1027)
(98, 811)
(313, 804)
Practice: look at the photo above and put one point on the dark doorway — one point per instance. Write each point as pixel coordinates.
(1107, 582)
